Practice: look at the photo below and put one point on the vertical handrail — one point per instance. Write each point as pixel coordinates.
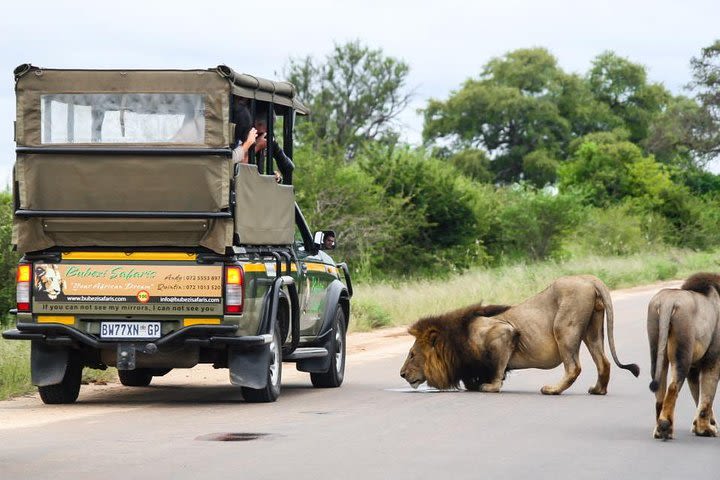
(270, 122)
(288, 131)
(251, 153)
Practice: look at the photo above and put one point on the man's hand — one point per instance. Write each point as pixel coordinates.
(261, 142)
(251, 138)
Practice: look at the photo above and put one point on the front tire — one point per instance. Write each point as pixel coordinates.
(68, 389)
(334, 377)
(140, 377)
(271, 392)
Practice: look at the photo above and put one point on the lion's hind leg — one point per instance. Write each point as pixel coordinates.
(594, 340)
(704, 418)
(681, 358)
(568, 343)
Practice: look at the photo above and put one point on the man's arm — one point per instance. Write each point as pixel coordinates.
(284, 163)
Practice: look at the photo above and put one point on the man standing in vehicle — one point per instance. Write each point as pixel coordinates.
(284, 163)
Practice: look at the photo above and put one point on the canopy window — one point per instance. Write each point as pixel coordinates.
(112, 118)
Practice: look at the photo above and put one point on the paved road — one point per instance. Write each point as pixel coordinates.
(372, 427)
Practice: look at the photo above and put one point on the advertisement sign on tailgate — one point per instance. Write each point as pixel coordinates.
(127, 289)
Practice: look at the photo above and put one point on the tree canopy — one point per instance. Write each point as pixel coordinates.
(523, 111)
(355, 95)
(706, 82)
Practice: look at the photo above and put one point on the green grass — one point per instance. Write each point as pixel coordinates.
(91, 375)
(401, 303)
(14, 368)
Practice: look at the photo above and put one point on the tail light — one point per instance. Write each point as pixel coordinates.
(24, 279)
(234, 292)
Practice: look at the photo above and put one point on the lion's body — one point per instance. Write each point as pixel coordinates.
(684, 332)
(542, 332)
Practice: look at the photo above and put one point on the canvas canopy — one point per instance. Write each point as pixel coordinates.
(141, 158)
(249, 86)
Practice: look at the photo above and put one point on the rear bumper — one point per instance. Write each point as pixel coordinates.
(200, 335)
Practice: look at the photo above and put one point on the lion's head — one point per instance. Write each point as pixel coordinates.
(429, 359)
(49, 280)
(440, 355)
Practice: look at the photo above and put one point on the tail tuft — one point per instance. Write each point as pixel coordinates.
(634, 369)
(654, 386)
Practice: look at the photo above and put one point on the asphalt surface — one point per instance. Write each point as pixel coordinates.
(374, 426)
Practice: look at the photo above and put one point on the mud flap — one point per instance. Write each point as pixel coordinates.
(249, 367)
(48, 364)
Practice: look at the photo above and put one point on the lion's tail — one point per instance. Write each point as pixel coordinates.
(609, 314)
(665, 312)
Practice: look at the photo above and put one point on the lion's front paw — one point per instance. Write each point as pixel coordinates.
(491, 387)
(708, 430)
(549, 390)
(597, 390)
(663, 430)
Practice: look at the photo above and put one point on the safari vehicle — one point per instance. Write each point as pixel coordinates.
(147, 247)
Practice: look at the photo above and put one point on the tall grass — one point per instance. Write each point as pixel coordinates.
(401, 303)
(14, 368)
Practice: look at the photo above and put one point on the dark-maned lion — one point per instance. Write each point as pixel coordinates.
(477, 345)
(683, 330)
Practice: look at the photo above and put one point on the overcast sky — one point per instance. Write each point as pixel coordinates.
(445, 42)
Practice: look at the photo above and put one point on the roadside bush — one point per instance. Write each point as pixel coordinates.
(368, 315)
(532, 223)
(692, 222)
(451, 208)
(612, 231)
(370, 224)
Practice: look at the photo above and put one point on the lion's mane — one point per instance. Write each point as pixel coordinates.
(445, 342)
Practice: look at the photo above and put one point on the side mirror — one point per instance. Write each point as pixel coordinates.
(325, 240)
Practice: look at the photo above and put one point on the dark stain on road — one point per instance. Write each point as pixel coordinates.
(232, 437)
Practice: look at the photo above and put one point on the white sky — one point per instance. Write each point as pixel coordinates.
(445, 42)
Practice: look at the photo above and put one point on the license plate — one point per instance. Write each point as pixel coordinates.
(130, 330)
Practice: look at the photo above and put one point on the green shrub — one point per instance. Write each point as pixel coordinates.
(371, 226)
(447, 208)
(611, 231)
(368, 315)
(665, 269)
(532, 223)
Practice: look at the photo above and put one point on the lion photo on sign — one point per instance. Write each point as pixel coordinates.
(683, 327)
(477, 345)
(49, 282)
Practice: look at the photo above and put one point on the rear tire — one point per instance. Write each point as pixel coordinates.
(68, 389)
(140, 377)
(334, 377)
(271, 392)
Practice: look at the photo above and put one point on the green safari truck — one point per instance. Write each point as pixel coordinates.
(147, 245)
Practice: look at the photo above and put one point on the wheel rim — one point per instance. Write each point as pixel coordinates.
(275, 362)
(339, 357)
